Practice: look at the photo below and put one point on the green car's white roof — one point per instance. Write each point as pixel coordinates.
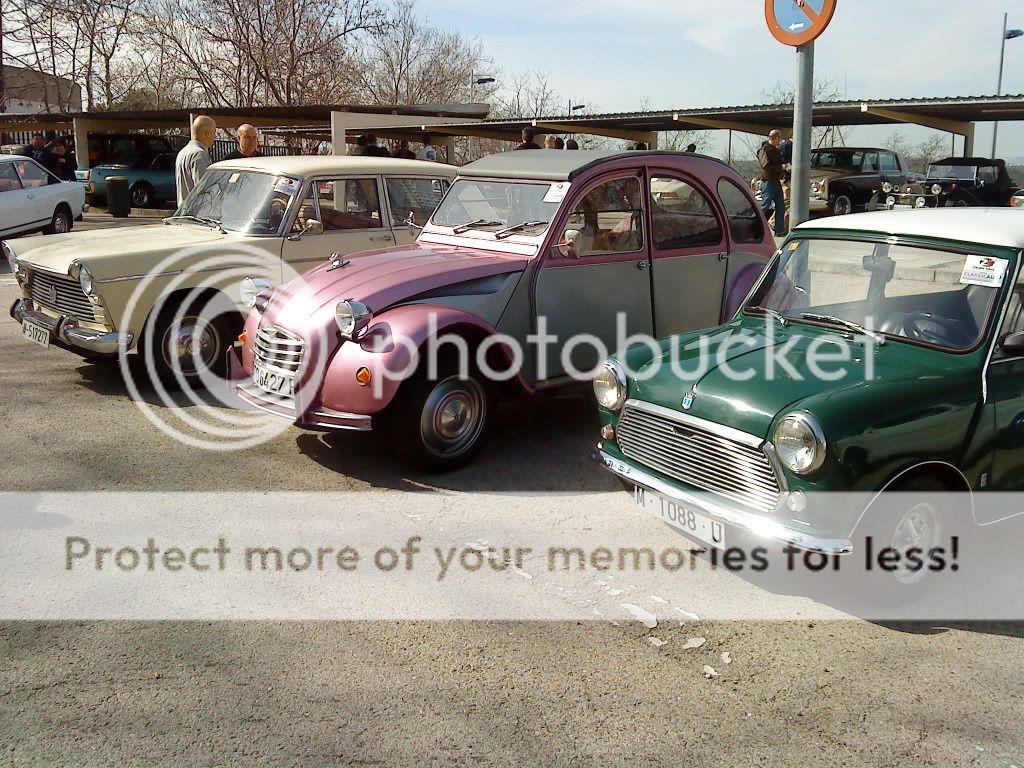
(324, 165)
(986, 226)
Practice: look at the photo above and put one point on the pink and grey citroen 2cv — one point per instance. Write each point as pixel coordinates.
(533, 268)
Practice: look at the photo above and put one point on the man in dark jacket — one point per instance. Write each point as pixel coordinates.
(373, 149)
(771, 174)
(248, 139)
(529, 134)
(63, 163)
(41, 154)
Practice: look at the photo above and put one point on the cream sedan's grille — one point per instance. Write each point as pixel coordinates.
(60, 294)
(698, 457)
(278, 348)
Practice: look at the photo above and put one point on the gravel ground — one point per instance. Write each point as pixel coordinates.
(431, 693)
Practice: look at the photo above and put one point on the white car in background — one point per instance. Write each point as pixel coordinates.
(32, 199)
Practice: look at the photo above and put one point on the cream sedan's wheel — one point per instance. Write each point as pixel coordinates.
(190, 346)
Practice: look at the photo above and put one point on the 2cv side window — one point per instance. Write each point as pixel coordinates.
(608, 219)
(681, 216)
(744, 219)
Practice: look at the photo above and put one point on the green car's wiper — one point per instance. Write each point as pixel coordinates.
(783, 321)
(212, 223)
(516, 228)
(474, 224)
(878, 338)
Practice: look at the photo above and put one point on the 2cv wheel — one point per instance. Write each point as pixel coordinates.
(440, 423)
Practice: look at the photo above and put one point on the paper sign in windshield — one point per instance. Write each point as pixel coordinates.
(556, 192)
(984, 270)
(288, 186)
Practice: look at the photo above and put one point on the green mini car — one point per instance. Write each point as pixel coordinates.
(877, 352)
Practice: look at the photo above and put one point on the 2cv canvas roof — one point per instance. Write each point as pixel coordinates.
(556, 165)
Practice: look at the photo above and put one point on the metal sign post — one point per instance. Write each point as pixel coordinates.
(798, 23)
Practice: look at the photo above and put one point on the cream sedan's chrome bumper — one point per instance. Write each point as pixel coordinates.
(759, 525)
(65, 331)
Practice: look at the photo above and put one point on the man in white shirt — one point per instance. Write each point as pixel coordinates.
(427, 151)
(194, 158)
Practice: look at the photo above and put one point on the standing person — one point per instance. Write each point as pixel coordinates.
(771, 174)
(786, 150)
(402, 152)
(40, 153)
(559, 142)
(550, 143)
(427, 152)
(572, 144)
(373, 149)
(360, 148)
(248, 139)
(529, 134)
(194, 158)
(64, 165)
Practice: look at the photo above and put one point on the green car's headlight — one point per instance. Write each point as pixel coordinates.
(610, 386)
(351, 317)
(799, 443)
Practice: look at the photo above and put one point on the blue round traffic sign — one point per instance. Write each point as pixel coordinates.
(796, 22)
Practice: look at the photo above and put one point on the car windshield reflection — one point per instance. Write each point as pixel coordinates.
(497, 206)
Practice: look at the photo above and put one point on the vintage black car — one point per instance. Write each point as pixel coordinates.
(849, 179)
(956, 182)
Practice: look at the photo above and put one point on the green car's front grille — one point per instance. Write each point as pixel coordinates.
(698, 457)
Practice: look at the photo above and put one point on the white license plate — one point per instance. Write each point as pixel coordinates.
(272, 381)
(37, 334)
(691, 522)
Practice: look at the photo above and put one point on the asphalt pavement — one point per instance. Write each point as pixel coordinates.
(401, 692)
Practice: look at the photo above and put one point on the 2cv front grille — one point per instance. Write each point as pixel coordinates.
(280, 349)
(63, 295)
(698, 457)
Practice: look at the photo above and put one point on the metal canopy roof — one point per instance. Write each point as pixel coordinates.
(950, 113)
(316, 115)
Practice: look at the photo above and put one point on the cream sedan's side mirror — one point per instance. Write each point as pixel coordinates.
(569, 247)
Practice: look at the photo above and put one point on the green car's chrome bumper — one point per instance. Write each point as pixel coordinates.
(757, 524)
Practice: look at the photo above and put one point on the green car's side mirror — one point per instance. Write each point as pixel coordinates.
(1013, 344)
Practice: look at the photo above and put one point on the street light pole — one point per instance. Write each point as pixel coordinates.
(473, 82)
(1008, 34)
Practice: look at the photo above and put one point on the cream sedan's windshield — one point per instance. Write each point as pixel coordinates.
(496, 206)
(240, 201)
(917, 294)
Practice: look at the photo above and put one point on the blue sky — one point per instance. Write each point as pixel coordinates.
(624, 54)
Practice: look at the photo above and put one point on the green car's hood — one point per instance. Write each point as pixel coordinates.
(105, 250)
(747, 386)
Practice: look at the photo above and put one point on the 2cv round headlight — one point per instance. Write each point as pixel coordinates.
(799, 443)
(610, 386)
(351, 317)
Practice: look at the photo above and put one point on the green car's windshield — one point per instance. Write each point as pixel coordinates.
(498, 205)
(902, 292)
(241, 201)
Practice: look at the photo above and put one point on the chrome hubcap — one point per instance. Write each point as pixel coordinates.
(191, 346)
(453, 417)
(842, 206)
(60, 225)
(918, 529)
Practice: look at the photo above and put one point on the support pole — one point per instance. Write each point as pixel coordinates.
(339, 145)
(999, 87)
(803, 105)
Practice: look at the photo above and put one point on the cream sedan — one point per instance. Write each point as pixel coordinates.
(96, 293)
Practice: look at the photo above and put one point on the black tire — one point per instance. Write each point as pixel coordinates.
(177, 354)
(141, 195)
(842, 205)
(440, 424)
(61, 222)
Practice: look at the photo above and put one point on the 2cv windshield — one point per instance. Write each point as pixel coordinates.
(240, 201)
(934, 297)
(494, 206)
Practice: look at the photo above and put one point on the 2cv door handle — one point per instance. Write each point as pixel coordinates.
(641, 265)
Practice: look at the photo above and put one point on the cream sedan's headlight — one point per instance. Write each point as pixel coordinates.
(351, 317)
(86, 281)
(12, 258)
(799, 443)
(610, 386)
